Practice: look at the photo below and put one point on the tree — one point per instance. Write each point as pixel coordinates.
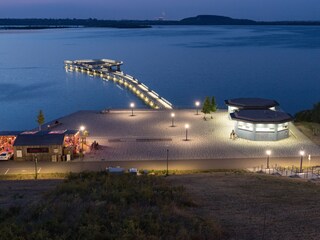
(40, 119)
(315, 116)
(206, 108)
(213, 105)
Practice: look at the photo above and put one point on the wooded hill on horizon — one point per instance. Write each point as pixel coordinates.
(36, 23)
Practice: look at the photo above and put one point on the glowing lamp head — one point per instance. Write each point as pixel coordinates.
(301, 153)
(82, 128)
(268, 152)
(197, 103)
(172, 115)
(132, 105)
(186, 126)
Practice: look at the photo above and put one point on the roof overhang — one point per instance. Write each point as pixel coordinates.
(251, 103)
(261, 116)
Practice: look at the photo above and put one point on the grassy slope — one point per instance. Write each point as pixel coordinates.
(239, 205)
(253, 206)
(311, 130)
(100, 206)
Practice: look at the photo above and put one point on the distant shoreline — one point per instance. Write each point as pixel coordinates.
(201, 20)
(31, 27)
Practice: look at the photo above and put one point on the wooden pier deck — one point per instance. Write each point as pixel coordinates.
(110, 70)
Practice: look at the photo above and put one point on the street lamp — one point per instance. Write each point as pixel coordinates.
(132, 106)
(309, 158)
(167, 162)
(82, 128)
(172, 119)
(301, 159)
(197, 103)
(268, 152)
(36, 167)
(186, 127)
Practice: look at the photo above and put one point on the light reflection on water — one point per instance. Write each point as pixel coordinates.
(180, 63)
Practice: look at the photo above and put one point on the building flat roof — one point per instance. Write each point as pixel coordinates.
(10, 133)
(97, 62)
(36, 132)
(39, 140)
(261, 116)
(252, 103)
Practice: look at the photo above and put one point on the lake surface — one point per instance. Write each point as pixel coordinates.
(181, 63)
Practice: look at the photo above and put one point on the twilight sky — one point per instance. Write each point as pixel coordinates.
(169, 9)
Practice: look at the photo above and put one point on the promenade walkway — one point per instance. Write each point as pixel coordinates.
(148, 134)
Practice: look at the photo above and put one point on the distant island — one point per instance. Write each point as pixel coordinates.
(6, 24)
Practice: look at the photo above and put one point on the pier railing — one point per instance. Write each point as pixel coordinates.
(104, 68)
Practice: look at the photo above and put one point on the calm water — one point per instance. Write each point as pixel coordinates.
(180, 63)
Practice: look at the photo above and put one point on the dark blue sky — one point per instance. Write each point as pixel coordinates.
(169, 9)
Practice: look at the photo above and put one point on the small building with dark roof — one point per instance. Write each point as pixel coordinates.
(257, 119)
(261, 125)
(45, 145)
(250, 103)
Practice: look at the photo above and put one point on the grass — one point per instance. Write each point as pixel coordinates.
(42, 176)
(184, 172)
(102, 206)
(32, 176)
(310, 129)
(250, 206)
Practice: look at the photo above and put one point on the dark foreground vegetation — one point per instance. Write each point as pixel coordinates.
(102, 206)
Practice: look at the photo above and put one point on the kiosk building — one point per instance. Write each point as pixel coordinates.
(258, 119)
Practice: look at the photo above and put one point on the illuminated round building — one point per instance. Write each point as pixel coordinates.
(257, 119)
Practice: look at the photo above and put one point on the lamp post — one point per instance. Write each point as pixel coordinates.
(35, 167)
(131, 106)
(301, 159)
(82, 128)
(167, 162)
(197, 103)
(268, 152)
(172, 119)
(186, 127)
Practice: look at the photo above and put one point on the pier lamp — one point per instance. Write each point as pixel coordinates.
(186, 127)
(268, 152)
(172, 119)
(197, 103)
(301, 159)
(132, 106)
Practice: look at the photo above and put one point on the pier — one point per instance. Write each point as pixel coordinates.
(110, 70)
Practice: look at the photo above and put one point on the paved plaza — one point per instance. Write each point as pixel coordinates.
(148, 134)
